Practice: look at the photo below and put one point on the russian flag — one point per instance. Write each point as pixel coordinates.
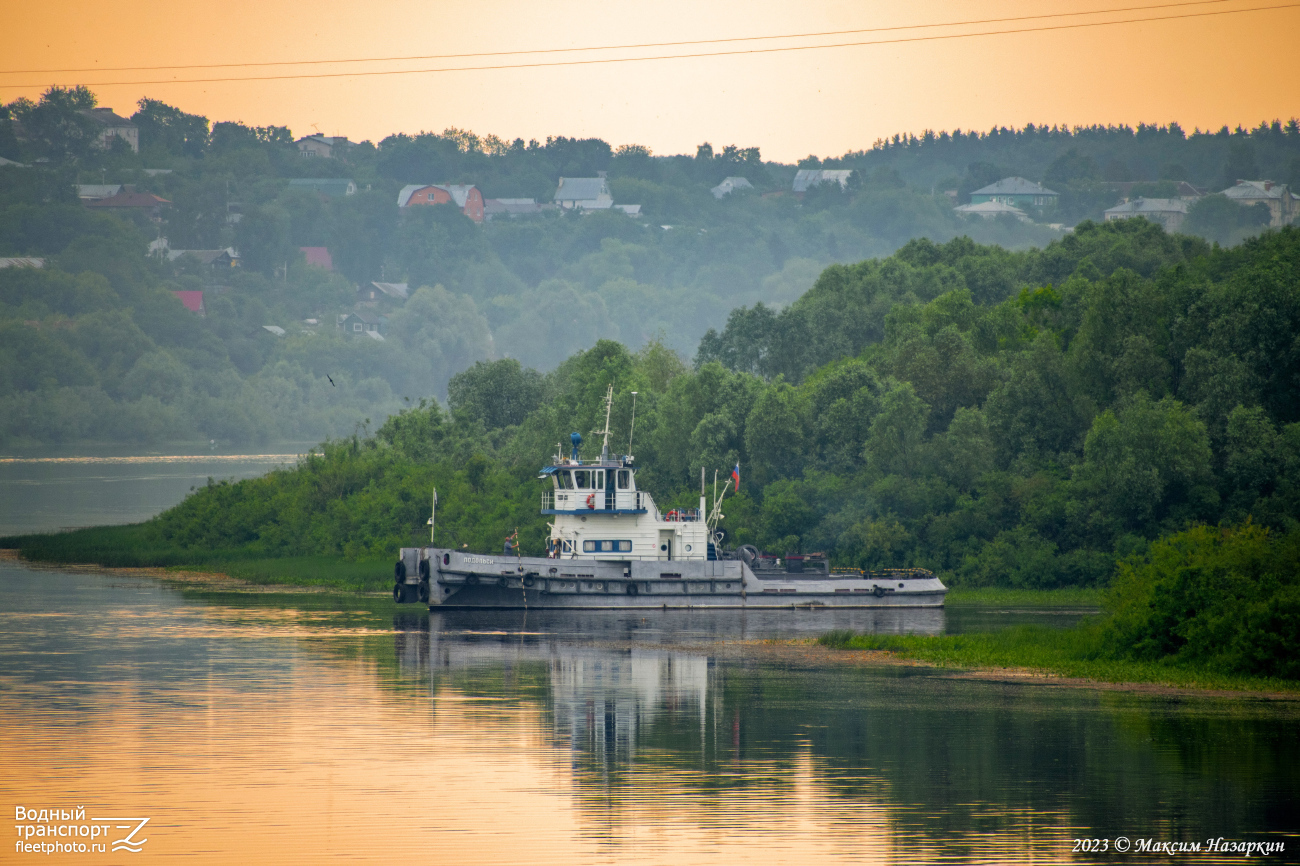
(735, 476)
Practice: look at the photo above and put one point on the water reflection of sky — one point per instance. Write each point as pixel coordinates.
(46, 494)
(298, 732)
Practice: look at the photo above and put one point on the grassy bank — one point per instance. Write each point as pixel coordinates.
(994, 597)
(1063, 652)
(139, 546)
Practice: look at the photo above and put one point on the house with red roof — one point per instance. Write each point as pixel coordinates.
(193, 301)
(466, 197)
(318, 256)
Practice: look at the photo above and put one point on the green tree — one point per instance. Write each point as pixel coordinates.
(893, 444)
(498, 393)
(57, 125)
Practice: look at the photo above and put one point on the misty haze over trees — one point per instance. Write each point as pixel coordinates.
(96, 345)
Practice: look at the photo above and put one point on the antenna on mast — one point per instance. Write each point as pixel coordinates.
(632, 427)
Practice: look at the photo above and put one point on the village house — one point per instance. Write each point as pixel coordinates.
(584, 193)
(323, 146)
(113, 126)
(1169, 212)
(991, 210)
(129, 198)
(362, 323)
(730, 185)
(807, 178)
(371, 294)
(1283, 205)
(317, 257)
(334, 187)
(1182, 189)
(193, 301)
(512, 208)
(88, 192)
(466, 197)
(1017, 192)
(215, 259)
(21, 262)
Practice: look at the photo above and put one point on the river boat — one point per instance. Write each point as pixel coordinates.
(611, 547)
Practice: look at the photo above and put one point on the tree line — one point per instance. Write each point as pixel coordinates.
(1033, 441)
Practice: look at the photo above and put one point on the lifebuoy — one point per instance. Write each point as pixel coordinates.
(672, 515)
(591, 501)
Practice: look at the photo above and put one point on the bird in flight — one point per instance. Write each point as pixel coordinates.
(327, 376)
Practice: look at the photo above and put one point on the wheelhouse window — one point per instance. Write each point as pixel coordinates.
(564, 480)
(582, 478)
(616, 546)
(624, 479)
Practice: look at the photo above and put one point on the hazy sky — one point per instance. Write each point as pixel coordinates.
(1206, 72)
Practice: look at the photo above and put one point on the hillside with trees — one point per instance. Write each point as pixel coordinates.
(1125, 387)
(98, 346)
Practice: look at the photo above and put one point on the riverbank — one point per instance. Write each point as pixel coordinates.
(313, 574)
(1023, 653)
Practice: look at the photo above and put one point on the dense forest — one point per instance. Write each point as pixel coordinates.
(97, 347)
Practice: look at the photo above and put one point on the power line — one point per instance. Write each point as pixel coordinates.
(750, 51)
(1046, 15)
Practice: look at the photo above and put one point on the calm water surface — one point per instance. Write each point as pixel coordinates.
(47, 494)
(301, 729)
(311, 728)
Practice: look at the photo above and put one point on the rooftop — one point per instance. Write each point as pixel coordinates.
(582, 189)
(806, 178)
(1140, 206)
(1014, 186)
(1256, 189)
(107, 117)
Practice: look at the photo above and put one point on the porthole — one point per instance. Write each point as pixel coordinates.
(688, 548)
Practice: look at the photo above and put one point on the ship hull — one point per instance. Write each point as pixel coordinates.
(457, 580)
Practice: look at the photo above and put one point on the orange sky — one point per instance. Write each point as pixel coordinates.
(1206, 72)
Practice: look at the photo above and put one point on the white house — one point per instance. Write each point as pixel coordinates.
(586, 193)
(1169, 212)
(730, 185)
(807, 178)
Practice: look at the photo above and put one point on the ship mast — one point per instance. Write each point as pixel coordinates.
(609, 404)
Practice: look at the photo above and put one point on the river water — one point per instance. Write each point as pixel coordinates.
(307, 728)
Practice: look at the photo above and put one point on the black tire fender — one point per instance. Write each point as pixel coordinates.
(399, 571)
(878, 591)
(424, 569)
(423, 593)
(399, 593)
(632, 589)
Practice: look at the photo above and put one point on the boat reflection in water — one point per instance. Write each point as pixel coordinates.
(905, 763)
(300, 728)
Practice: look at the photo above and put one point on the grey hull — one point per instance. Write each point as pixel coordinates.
(457, 580)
